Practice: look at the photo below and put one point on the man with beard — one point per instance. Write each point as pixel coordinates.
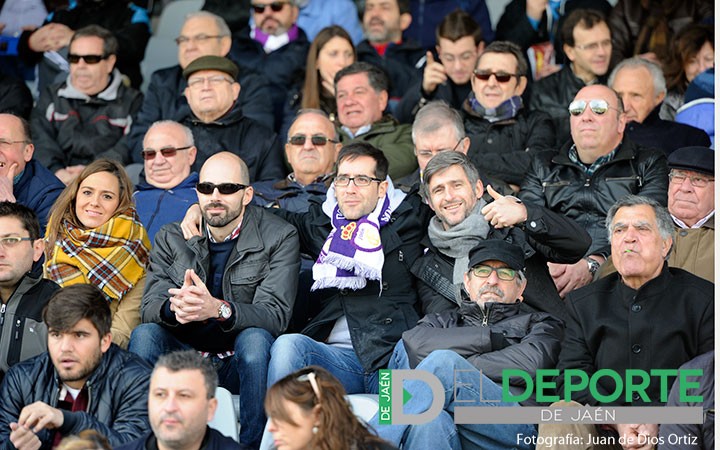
(228, 292)
(181, 401)
(83, 381)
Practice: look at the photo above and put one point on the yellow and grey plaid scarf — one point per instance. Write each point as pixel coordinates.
(113, 256)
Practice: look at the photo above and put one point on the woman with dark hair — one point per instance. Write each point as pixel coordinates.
(691, 53)
(308, 410)
(331, 50)
(94, 236)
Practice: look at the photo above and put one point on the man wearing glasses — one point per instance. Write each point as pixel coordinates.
(169, 187)
(85, 117)
(274, 46)
(218, 123)
(503, 133)
(228, 292)
(23, 291)
(587, 45)
(584, 178)
(490, 332)
(203, 33)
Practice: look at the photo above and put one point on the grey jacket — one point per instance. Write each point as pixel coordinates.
(259, 281)
(22, 331)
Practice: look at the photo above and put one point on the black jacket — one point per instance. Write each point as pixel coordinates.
(22, 331)
(665, 323)
(129, 23)
(547, 237)
(553, 95)
(117, 397)
(378, 314)
(402, 63)
(665, 135)
(15, 96)
(504, 149)
(282, 67)
(71, 128)
(557, 183)
(256, 144)
(165, 100)
(514, 26)
(213, 440)
(415, 98)
(494, 338)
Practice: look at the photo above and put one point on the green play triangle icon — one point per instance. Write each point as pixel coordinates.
(406, 396)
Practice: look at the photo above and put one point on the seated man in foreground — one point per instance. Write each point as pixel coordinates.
(470, 348)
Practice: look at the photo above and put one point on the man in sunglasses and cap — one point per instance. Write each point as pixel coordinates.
(228, 292)
(503, 133)
(491, 332)
(84, 117)
(589, 173)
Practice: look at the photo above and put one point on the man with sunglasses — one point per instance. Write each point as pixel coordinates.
(274, 46)
(218, 123)
(169, 187)
(203, 33)
(85, 117)
(228, 292)
(641, 84)
(503, 133)
(491, 332)
(583, 179)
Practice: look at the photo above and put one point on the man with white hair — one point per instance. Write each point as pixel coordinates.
(641, 85)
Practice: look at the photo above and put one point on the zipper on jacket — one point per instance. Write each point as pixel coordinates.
(18, 323)
(486, 316)
(2, 313)
(587, 182)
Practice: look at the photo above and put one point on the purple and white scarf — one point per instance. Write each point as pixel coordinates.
(353, 252)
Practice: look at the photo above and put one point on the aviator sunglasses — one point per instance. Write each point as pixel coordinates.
(598, 107)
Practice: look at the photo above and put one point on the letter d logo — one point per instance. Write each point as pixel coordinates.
(417, 377)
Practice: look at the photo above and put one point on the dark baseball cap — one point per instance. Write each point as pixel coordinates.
(497, 250)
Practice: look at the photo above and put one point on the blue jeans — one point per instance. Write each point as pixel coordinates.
(244, 373)
(292, 352)
(451, 369)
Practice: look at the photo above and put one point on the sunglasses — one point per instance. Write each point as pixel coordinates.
(312, 379)
(89, 59)
(224, 188)
(275, 6)
(316, 139)
(503, 273)
(167, 152)
(500, 77)
(598, 107)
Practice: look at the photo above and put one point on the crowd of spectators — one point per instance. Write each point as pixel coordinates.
(320, 189)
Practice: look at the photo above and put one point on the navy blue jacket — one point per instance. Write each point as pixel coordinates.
(257, 145)
(665, 135)
(38, 188)
(156, 206)
(288, 194)
(402, 62)
(165, 100)
(282, 68)
(213, 440)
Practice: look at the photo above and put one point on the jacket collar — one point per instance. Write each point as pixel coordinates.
(188, 182)
(490, 313)
(249, 239)
(109, 94)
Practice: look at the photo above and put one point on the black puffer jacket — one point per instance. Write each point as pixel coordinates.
(553, 95)
(494, 338)
(117, 397)
(557, 183)
(165, 100)
(378, 314)
(256, 144)
(504, 149)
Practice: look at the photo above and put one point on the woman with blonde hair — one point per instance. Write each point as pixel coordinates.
(94, 236)
(308, 410)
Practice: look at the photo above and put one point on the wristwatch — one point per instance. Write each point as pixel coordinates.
(593, 265)
(224, 311)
